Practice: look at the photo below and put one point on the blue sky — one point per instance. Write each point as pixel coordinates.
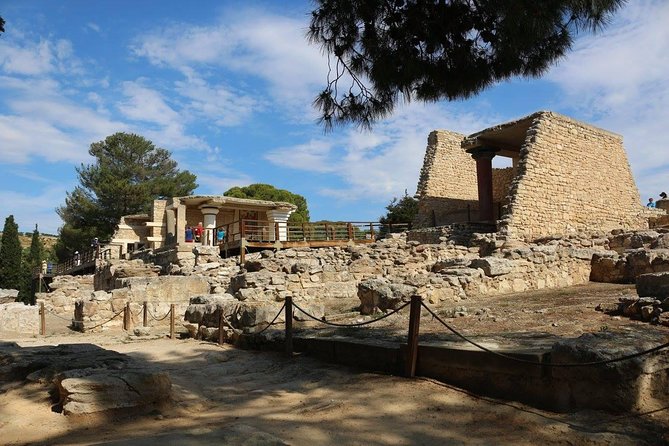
(227, 88)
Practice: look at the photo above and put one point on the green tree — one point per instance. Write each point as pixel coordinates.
(271, 193)
(32, 260)
(10, 256)
(429, 50)
(402, 210)
(128, 174)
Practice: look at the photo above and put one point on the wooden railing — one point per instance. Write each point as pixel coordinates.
(77, 261)
(267, 231)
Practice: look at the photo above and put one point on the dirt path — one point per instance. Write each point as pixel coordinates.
(222, 395)
(220, 392)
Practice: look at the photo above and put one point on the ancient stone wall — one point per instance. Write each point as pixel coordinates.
(501, 184)
(447, 181)
(19, 318)
(572, 177)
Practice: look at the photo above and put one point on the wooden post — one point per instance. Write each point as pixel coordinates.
(371, 230)
(221, 339)
(412, 341)
(276, 231)
(126, 316)
(349, 227)
(171, 321)
(289, 326)
(145, 318)
(327, 232)
(42, 319)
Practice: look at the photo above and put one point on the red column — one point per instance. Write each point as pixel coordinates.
(483, 157)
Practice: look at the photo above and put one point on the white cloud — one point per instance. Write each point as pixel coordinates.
(618, 80)
(251, 43)
(215, 184)
(378, 164)
(30, 209)
(147, 105)
(41, 122)
(24, 57)
(223, 106)
(315, 155)
(93, 26)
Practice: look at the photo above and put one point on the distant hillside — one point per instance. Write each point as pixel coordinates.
(47, 240)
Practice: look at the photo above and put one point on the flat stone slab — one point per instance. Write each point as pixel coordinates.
(86, 378)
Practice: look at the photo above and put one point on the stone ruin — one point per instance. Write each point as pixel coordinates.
(365, 278)
(567, 177)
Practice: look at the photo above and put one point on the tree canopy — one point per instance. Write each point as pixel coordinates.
(268, 192)
(11, 276)
(129, 172)
(402, 210)
(429, 50)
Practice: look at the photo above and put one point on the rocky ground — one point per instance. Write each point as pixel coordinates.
(228, 396)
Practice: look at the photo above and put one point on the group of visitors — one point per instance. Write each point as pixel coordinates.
(195, 233)
(651, 203)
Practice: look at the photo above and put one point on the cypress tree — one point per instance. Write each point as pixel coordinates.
(31, 262)
(10, 256)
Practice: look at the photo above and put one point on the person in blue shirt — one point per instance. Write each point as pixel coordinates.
(189, 234)
(650, 203)
(220, 235)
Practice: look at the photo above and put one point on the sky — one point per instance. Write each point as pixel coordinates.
(227, 87)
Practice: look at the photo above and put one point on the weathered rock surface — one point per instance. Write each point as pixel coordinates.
(653, 284)
(618, 386)
(108, 276)
(493, 266)
(383, 295)
(8, 296)
(19, 318)
(86, 378)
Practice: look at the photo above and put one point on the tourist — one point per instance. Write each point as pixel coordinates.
(189, 234)
(77, 258)
(663, 195)
(198, 231)
(650, 203)
(220, 235)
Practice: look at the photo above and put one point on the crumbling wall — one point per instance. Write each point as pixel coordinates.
(447, 183)
(572, 178)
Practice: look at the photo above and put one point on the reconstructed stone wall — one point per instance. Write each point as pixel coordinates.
(501, 184)
(572, 178)
(447, 181)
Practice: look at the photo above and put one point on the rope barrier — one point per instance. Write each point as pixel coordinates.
(100, 325)
(162, 318)
(273, 320)
(525, 361)
(74, 321)
(357, 324)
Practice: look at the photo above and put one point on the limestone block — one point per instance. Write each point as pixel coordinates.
(93, 390)
(382, 294)
(212, 299)
(101, 295)
(87, 378)
(19, 318)
(653, 285)
(493, 266)
(8, 295)
(609, 268)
